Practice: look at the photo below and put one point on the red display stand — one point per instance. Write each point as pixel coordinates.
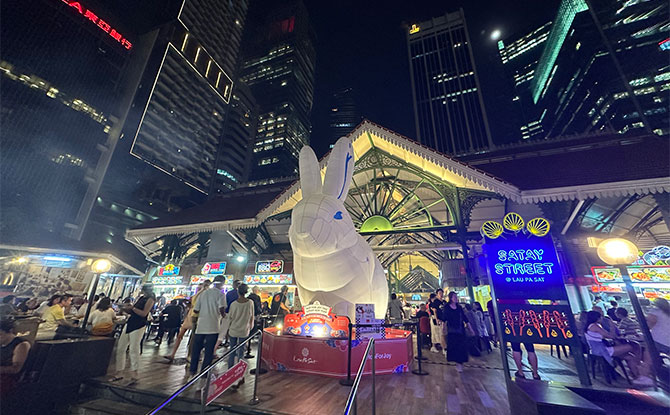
(328, 357)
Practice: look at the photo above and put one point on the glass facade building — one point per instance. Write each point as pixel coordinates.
(279, 59)
(448, 107)
(601, 70)
(520, 56)
(344, 115)
(66, 88)
(181, 127)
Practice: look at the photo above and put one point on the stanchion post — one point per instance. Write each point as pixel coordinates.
(419, 347)
(259, 368)
(348, 381)
(254, 399)
(203, 395)
(374, 389)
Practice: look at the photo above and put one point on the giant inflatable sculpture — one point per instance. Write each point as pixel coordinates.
(333, 264)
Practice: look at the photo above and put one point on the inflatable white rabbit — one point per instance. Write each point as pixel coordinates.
(333, 264)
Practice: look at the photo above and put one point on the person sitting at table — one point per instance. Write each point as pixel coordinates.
(607, 322)
(611, 312)
(595, 335)
(54, 317)
(13, 354)
(103, 318)
(627, 326)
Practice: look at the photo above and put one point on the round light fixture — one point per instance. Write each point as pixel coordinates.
(100, 266)
(240, 258)
(617, 251)
(495, 35)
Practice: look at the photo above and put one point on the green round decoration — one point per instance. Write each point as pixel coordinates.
(376, 223)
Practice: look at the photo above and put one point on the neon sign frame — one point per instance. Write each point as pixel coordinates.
(102, 25)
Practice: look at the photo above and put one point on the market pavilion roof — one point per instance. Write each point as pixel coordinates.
(563, 170)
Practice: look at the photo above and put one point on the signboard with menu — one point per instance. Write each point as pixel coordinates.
(275, 266)
(269, 279)
(214, 268)
(169, 269)
(638, 274)
(316, 320)
(173, 280)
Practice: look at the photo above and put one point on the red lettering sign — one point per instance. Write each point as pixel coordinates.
(225, 380)
(104, 26)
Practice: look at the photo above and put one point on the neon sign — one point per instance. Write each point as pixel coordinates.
(414, 29)
(664, 44)
(102, 25)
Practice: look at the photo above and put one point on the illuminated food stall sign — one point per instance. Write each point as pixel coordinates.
(198, 279)
(526, 279)
(169, 269)
(269, 279)
(270, 267)
(175, 280)
(214, 268)
(638, 275)
(89, 15)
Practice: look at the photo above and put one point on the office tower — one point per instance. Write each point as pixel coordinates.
(69, 71)
(343, 116)
(233, 163)
(520, 56)
(182, 123)
(448, 107)
(579, 86)
(278, 67)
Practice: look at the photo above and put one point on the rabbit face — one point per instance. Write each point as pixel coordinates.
(320, 224)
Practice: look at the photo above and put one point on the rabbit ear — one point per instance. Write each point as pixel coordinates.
(310, 174)
(340, 168)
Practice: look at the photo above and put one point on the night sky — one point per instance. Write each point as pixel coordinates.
(362, 44)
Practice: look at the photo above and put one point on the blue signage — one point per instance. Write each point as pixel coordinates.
(524, 267)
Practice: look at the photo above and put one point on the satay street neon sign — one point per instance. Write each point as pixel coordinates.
(102, 25)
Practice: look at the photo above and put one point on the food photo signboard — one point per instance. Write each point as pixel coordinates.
(316, 320)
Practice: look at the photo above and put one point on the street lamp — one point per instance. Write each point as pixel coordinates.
(99, 266)
(621, 253)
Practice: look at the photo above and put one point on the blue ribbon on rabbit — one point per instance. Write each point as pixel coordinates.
(333, 264)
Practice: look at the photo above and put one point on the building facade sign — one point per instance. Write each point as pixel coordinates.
(100, 23)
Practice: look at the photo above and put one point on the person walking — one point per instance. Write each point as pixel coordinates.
(396, 312)
(210, 306)
(435, 302)
(241, 319)
(170, 321)
(190, 322)
(457, 343)
(131, 336)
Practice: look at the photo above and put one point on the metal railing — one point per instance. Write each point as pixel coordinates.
(352, 404)
(205, 371)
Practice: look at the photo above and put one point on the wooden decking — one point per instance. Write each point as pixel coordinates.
(480, 389)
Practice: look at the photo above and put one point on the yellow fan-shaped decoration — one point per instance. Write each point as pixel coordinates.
(492, 229)
(538, 226)
(513, 222)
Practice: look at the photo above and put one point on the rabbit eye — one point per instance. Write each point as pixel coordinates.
(338, 215)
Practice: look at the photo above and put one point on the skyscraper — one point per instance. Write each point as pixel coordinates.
(448, 107)
(182, 123)
(603, 69)
(278, 67)
(69, 72)
(233, 162)
(343, 116)
(520, 56)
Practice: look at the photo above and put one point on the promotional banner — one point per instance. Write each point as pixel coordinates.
(221, 383)
(316, 320)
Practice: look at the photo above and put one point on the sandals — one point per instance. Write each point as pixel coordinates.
(519, 375)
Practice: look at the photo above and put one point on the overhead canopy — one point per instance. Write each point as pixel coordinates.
(400, 187)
